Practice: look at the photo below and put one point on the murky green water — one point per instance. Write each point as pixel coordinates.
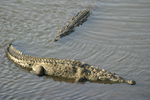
(115, 37)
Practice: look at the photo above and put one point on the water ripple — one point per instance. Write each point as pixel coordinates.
(115, 37)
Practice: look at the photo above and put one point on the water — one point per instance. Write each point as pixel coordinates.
(115, 37)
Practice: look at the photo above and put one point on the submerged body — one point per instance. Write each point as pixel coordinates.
(63, 68)
(76, 20)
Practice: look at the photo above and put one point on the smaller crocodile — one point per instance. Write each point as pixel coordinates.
(76, 20)
(70, 69)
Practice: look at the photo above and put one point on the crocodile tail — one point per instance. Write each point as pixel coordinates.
(12, 52)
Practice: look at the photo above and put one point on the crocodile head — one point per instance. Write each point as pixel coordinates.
(131, 82)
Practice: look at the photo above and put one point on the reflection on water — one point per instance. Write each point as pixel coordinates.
(115, 37)
(60, 79)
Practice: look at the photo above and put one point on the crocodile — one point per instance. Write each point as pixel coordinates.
(76, 20)
(64, 68)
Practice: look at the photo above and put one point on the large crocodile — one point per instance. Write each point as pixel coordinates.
(63, 68)
(76, 20)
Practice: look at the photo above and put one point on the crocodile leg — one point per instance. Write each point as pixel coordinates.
(37, 69)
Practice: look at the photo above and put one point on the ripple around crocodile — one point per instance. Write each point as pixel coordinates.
(65, 68)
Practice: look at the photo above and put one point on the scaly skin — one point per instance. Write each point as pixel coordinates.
(76, 20)
(63, 68)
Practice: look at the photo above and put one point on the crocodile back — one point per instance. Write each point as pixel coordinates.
(76, 20)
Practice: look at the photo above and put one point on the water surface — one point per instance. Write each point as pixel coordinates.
(115, 37)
